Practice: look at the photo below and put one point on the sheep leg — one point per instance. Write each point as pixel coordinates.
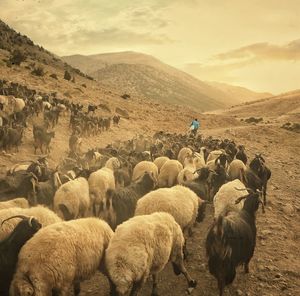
(185, 251)
(137, 286)
(76, 288)
(221, 286)
(113, 290)
(246, 266)
(180, 268)
(154, 287)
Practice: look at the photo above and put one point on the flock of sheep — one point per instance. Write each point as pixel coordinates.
(131, 232)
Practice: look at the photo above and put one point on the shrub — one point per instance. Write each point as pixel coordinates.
(67, 75)
(54, 76)
(39, 71)
(17, 57)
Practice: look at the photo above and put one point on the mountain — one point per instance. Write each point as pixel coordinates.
(239, 93)
(147, 77)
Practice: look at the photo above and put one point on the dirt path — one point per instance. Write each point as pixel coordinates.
(275, 267)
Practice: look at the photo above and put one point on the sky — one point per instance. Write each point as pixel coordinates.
(251, 43)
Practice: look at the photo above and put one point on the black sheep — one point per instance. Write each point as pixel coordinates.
(121, 203)
(241, 155)
(231, 240)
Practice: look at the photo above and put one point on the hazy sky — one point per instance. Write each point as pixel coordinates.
(253, 43)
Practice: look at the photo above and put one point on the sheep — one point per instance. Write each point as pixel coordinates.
(231, 240)
(214, 155)
(222, 160)
(169, 172)
(44, 215)
(142, 167)
(183, 153)
(179, 201)
(160, 161)
(60, 256)
(10, 248)
(99, 182)
(235, 169)
(121, 203)
(188, 172)
(227, 195)
(199, 184)
(17, 202)
(72, 199)
(142, 246)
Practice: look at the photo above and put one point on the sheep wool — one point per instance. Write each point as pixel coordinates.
(227, 195)
(20, 202)
(179, 201)
(44, 215)
(72, 200)
(60, 255)
(142, 167)
(142, 246)
(169, 173)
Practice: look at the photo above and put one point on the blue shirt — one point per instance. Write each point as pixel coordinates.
(195, 124)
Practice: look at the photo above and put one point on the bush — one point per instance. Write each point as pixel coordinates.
(17, 57)
(67, 75)
(125, 96)
(54, 76)
(39, 71)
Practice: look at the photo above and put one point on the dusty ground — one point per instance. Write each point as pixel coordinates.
(275, 267)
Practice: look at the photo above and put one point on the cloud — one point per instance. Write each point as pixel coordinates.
(264, 51)
(68, 26)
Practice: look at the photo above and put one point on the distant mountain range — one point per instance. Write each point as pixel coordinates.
(147, 77)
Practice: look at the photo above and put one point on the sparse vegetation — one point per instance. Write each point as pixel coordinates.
(253, 120)
(67, 75)
(125, 96)
(17, 57)
(54, 76)
(293, 127)
(38, 71)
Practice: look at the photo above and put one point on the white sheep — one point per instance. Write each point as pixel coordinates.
(41, 213)
(20, 202)
(142, 167)
(235, 169)
(227, 196)
(99, 182)
(72, 199)
(60, 256)
(188, 172)
(179, 201)
(160, 161)
(169, 172)
(140, 247)
(183, 153)
(214, 154)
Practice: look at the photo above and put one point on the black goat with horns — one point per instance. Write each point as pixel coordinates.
(10, 248)
(231, 240)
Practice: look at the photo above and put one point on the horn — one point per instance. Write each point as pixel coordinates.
(240, 199)
(16, 216)
(242, 189)
(30, 221)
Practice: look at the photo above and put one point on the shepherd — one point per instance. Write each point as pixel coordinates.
(194, 126)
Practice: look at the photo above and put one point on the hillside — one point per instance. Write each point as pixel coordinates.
(158, 81)
(242, 93)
